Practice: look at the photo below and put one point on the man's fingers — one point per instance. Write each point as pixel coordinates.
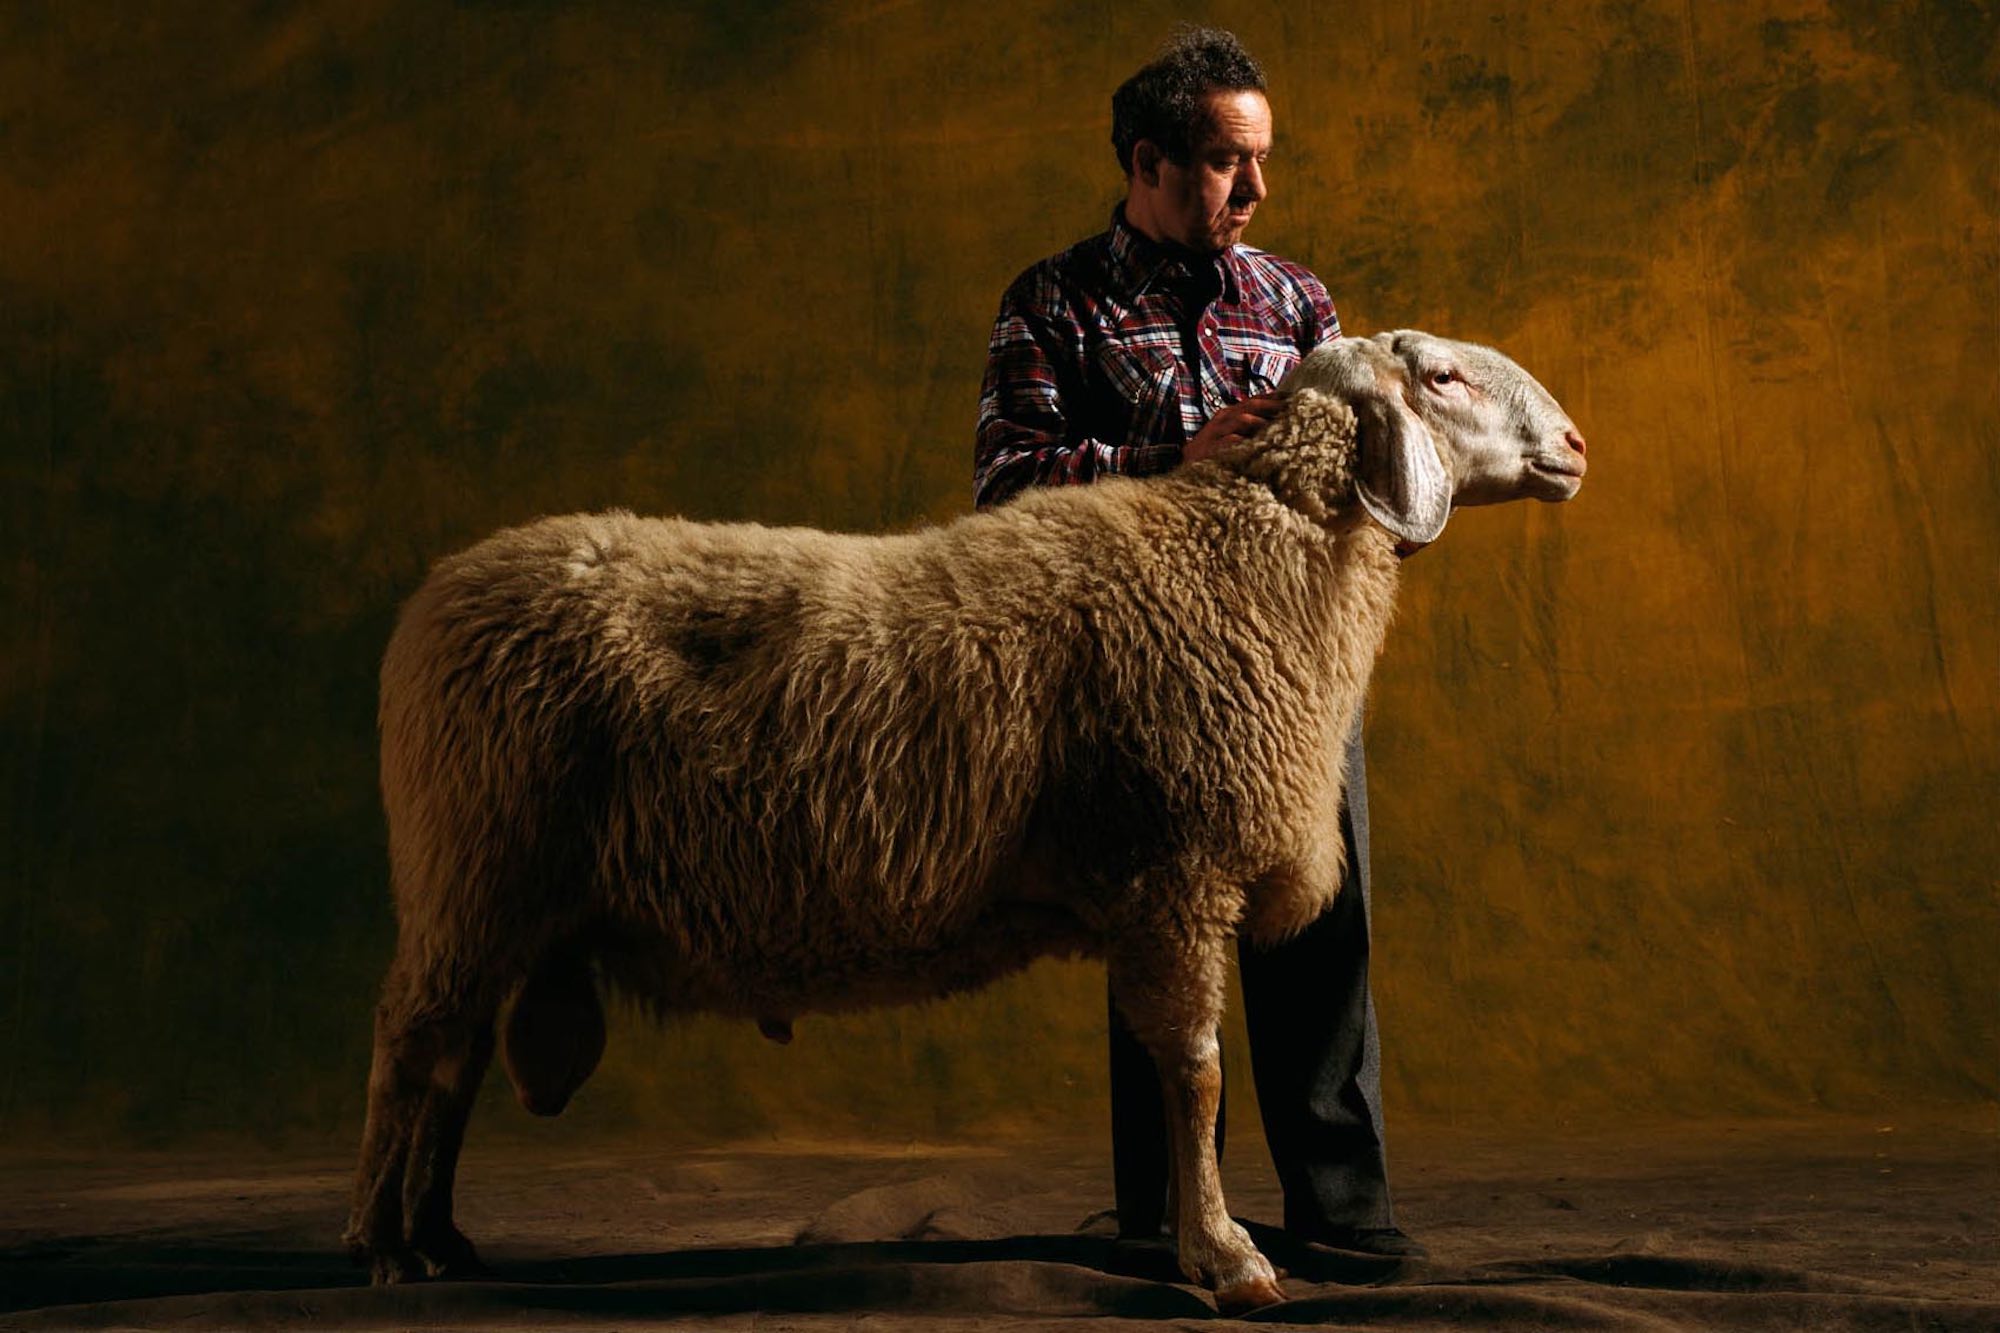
(1235, 423)
(1259, 410)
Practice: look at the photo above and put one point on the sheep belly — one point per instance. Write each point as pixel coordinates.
(831, 972)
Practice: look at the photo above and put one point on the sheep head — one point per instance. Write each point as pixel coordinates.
(1441, 424)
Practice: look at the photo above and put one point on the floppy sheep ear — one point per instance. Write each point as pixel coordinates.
(1398, 476)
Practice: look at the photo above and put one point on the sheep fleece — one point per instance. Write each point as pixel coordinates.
(769, 770)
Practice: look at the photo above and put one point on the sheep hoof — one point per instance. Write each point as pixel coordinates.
(1242, 1277)
(388, 1265)
(393, 1268)
(450, 1257)
(1250, 1294)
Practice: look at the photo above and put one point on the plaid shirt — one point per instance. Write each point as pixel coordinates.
(1110, 356)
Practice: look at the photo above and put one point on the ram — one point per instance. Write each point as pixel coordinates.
(766, 771)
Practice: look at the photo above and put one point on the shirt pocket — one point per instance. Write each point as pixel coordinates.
(1264, 371)
(1146, 380)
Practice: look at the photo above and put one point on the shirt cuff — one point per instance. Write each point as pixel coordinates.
(1145, 460)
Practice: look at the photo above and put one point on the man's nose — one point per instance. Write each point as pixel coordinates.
(1251, 182)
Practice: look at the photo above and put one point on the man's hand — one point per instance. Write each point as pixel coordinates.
(1233, 425)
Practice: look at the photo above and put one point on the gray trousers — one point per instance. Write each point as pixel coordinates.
(1314, 1055)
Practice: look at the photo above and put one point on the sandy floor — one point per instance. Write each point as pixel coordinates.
(1827, 1224)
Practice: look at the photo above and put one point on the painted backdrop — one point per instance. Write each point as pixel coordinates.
(1685, 793)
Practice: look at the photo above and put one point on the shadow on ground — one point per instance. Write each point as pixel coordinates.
(1769, 1228)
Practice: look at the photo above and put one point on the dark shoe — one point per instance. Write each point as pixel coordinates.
(1388, 1242)
(1142, 1226)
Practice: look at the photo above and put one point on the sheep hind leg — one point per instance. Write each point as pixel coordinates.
(439, 1133)
(429, 1058)
(1171, 996)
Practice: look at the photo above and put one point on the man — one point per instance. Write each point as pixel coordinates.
(1160, 341)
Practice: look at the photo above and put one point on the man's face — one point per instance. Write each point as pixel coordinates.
(1206, 204)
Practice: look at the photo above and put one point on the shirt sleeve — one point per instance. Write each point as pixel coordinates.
(1034, 377)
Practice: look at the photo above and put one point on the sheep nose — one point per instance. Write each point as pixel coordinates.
(1574, 440)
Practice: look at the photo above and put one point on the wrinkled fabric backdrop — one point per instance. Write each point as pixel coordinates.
(1685, 793)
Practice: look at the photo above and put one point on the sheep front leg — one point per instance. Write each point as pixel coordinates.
(1172, 1000)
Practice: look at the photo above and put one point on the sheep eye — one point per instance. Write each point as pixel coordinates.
(1443, 377)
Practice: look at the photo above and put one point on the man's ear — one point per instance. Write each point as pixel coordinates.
(1397, 473)
(1146, 157)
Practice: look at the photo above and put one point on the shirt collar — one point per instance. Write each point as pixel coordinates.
(1138, 261)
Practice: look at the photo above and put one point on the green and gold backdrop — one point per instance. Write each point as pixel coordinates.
(1685, 793)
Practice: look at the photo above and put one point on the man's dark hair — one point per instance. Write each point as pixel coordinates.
(1163, 101)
